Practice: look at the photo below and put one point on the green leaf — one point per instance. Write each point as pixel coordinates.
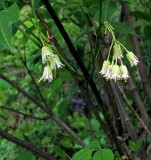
(61, 153)
(108, 8)
(4, 85)
(103, 154)
(132, 145)
(25, 156)
(122, 28)
(66, 142)
(141, 15)
(6, 21)
(84, 154)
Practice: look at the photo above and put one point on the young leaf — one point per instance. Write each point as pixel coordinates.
(122, 28)
(84, 154)
(108, 9)
(61, 153)
(103, 154)
(6, 21)
(25, 156)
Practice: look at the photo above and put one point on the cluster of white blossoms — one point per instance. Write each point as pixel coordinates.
(53, 62)
(112, 70)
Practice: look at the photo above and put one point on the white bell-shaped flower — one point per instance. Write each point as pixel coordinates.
(47, 74)
(108, 72)
(116, 75)
(55, 62)
(124, 72)
(132, 58)
(104, 67)
(47, 53)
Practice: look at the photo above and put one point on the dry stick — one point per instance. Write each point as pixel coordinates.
(137, 50)
(138, 101)
(25, 145)
(45, 109)
(131, 108)
(13, 110)
(123, 114)
(85, 72)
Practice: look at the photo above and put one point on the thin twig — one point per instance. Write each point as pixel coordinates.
(4, 118)
(13, 110)
(138, 101)
(25, 145)
(123, 114)
(135, 113)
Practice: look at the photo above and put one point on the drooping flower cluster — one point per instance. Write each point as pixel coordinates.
(53, 62)
(112, 70)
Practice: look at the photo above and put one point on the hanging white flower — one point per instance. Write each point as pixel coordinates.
(47, 74)
(108, 72)
(104, 67)
(124, 72)
(55, 62)
(132, 58)
(47, 53)
(116, 75)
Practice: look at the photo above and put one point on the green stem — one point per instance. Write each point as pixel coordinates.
(110, 51)
(29, 31)
(122, 45)
(28, 36)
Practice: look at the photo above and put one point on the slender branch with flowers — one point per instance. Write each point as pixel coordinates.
(112, 70)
